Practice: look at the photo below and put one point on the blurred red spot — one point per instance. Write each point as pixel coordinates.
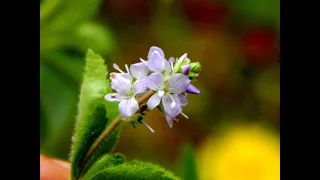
(260, 46)
(204, 11)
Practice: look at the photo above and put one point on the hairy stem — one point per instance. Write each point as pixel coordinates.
(105, 134)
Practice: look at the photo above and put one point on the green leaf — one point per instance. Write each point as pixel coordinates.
(105, 162)
(135, 171)
(92, 116)
(188, 167)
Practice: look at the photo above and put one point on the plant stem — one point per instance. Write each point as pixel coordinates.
(105, 134)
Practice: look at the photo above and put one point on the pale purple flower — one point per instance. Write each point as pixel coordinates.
(155, 63)
(126, 91)
(168, 93)
(183, 99)
(185, 69)
(139, 70)
(192, 90)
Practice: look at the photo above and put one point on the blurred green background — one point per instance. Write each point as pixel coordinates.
(233, 126)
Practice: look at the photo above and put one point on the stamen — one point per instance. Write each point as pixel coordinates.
(116, 67)
(114, 95)
(171, 63)
(176, 120)
(113, 75)
(184, 115)
(148, 127)
(127, 68)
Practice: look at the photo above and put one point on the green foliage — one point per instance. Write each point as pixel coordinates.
(105, 162)
(188, 165)
(92, 116)
(58, 104)
(66, 32)
(135, 171)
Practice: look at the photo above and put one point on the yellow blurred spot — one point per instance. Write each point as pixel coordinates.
(241, 154)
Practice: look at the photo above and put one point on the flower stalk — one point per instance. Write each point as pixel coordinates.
(105, 134)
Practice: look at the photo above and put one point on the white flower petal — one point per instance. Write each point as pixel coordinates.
(183, 100)
(153, 101)
(114, 97)
(171, 105)
(178, 83)
(182, 58)
(170, 121)
(121, 84)
(156, 61)
(128, 107)
(139, 70)
(140, 86)
(156, 81)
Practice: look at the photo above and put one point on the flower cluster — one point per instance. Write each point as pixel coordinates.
(166, 84)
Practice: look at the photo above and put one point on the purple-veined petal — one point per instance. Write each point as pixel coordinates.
(170, 121)
(171, 105)
(155, 50)
(139, 70)
(156, 61)
(178, 83)
(140, 86)
(128, 107)
(114, 97)
(156, 81)
(127, 76)
(154, 101)
(113, 75)
(183, 100)
(121, 84)
(185, 69)
(167, 68)
(192, 90)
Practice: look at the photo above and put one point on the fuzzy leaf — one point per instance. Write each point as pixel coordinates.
(135, 171)
(92, 117)
(105, 162)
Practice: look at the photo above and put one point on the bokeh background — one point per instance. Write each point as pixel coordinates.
(233, 128)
